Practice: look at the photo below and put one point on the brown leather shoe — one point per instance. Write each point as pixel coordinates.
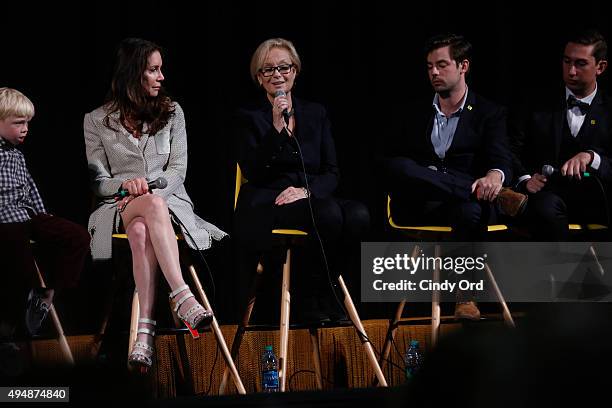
(511, 203)
(467, 311)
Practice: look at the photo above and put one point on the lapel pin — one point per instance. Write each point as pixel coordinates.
(469, 107)
(593, 121)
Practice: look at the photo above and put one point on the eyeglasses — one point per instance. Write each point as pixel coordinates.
(282, 69)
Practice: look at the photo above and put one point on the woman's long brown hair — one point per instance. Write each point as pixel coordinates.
(127, 94)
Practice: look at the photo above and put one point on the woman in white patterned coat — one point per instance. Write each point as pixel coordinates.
(136, 137)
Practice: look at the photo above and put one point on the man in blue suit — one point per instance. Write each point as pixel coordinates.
(451, 169)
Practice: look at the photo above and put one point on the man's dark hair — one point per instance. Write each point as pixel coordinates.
(459, 48)
(591, 37)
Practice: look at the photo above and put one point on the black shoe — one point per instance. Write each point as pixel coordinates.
(37, 310)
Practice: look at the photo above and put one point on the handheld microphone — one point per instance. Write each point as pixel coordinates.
(548, 170)
(159, 183)
(286, 114)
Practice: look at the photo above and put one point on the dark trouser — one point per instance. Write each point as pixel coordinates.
(341, 225)
(421, 196)
(564, 201)
(61, 249)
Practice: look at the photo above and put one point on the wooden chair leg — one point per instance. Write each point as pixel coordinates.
(506, 312)
(435, 303)
(133, 322)
(350, 307)
(246, 318)
(316, 357)
(218, 334)
(284, 321)
(61, 336)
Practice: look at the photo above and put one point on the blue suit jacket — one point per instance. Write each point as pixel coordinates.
(480, 142)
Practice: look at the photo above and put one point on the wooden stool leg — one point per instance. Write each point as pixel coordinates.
(393, 325)
(218, 335)
(246, 318)
(61, 337)
(386, 350)
(350, 307)
(435, 303)
(507, 316)
(314, 341)
(593, 253)
(284, 321)
(133, 322)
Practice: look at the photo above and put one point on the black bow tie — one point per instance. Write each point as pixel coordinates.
(572, 102)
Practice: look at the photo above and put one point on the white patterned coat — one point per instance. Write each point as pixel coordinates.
(113, 158)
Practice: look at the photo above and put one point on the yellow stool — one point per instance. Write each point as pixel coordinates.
(435, 304)
(289, 236)
(214, 325)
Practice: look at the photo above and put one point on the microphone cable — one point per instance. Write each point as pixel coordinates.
(551, 170)
(195, 245)
(361, 334)
(107, 200)
(605, 199)
(213, 297)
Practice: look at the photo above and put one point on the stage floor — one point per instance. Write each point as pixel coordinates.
(188, 368)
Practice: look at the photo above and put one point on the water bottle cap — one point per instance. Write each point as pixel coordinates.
(414, 343)
(268, 348)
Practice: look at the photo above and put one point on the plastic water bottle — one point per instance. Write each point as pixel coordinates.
(269, 371)
(413, 359)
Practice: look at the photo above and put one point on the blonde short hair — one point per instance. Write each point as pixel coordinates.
(15, 104)
(260, 54)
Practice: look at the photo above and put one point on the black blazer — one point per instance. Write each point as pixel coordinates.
(270, 162)
(536, 135)
(480, 142)
(270, 159)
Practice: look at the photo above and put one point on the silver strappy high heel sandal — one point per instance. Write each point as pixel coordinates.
(196, 315)
(142, 353)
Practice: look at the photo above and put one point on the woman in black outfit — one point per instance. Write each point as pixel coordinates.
(277, 193)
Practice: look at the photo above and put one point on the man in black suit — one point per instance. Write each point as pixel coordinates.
(451, 168)
(571, 134)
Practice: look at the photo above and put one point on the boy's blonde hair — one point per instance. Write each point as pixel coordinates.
(14, 103)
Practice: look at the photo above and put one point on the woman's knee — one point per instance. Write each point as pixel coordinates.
(137, 234)
(156, 205)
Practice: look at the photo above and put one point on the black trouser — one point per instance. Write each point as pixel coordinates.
(341, 225)
(61, 247)
(564, 201)
(420, 196)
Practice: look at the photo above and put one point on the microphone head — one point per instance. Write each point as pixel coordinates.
(280, 92)
(547, 170)
(160, 183)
